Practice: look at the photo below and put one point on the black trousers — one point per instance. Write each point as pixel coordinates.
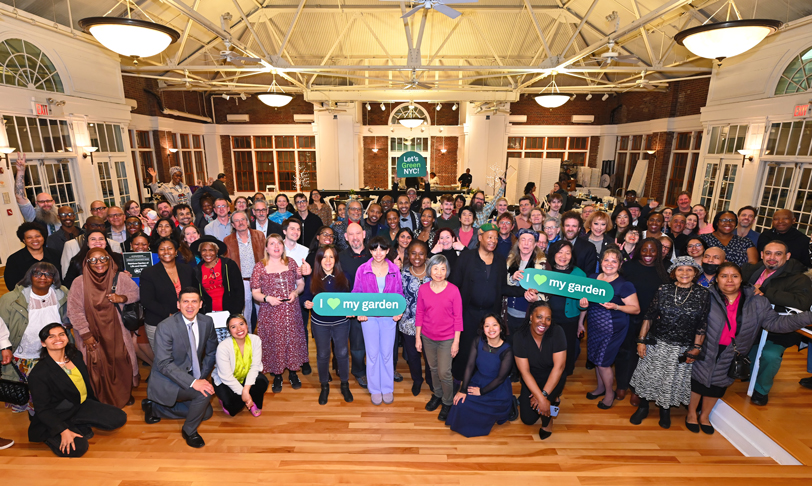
(513, 324)
(305, 319)
(90, 414)
(530, 416)
(413, 359)
(191, 405)
(357, 349)
(233, 403)
(626, 361)
(570, 327)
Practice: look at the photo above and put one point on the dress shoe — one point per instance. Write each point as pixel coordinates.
(759, 399)
(294, 380)
(416, 386)
(639, 415)
(345, 391)
(604, 406)
(130, 401)
(665, 418)
(362, 381)
(634, 401)
(377, 399)
(620, 394)
(277, 384)
(434, 402)
(149, 414)
(590, 396)
(691, 427)
(398, 377)
(708, 429)
(806, 382)
(443, 415)
(388, 398)
(193, 439)
(306, 369)
(325, 391)
(543, 434)
(514, 410)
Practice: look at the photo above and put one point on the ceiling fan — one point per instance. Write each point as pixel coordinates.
(438, 5)
(239, 61)
(641, 83)
(414, 83)
(613, 55)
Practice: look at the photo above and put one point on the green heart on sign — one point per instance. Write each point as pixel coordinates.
(333, 302)
(540, 279)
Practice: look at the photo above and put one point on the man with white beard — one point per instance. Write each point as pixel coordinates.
(45, 213)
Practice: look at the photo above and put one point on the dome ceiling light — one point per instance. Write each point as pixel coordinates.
(130, 37)
(411, 119)
(554, 97)
(726, 39)
(274, 98)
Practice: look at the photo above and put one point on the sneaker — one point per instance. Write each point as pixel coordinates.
(388, 398)
(377, 399)
(759, 399)
(434, 403)
(306, 369)
(398, 377)
(294, 380)
(362, 381)
(277, 384)
(5, 443)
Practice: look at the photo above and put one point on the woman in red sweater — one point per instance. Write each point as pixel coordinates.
(438, 324)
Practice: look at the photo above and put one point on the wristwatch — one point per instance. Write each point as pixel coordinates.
(545, 394)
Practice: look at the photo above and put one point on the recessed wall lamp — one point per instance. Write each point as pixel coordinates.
(6, 151)
(375, 149)
(89, 153)
(746, 154)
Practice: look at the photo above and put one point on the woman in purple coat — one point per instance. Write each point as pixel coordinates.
(379, 275)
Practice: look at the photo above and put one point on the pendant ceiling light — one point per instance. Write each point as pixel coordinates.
(554, 97)
(130, 37)
(411, 119)
(726, 39)
(274, 98)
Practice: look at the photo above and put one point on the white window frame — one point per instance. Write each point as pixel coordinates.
(694, 151)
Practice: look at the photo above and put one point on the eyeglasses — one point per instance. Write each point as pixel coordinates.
(257, 210)
(695, 245)
(65, 215)
(355, 209)
(98, 208)
(220, 206)
(115, 215)
(133, 223)
(727, 220)
(326, 234)
(505, 223)
(301, 201)
(38, 274)
(95, 260)
(44, 201)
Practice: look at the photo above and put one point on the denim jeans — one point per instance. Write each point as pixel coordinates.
(338, 334)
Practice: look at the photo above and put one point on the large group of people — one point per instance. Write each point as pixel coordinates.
(690, 296)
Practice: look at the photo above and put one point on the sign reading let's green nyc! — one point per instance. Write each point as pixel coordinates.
(411, 164)
(566, 285)
(359, 304)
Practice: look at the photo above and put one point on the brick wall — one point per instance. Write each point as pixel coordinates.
(187, 101)
(164, 159)
(658, 171)
(538, 115)
(376, 164)
(445, 164)
(258, 112)
(446, 116)
(594, 149)
(228, 167)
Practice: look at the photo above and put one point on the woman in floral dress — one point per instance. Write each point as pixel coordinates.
(276, 284)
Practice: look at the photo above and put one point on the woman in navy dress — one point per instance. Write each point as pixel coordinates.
(486, 395)
(608, 325)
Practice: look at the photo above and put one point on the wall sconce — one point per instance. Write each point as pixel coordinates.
(375, 149)
(746, 154)
(173, 150)
(5, 151)
(89, 153)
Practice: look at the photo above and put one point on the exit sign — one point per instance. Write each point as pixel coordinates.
(801, 110)
(41, 110)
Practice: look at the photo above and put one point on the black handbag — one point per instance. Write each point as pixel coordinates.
(15, 392)
(132, 315)
(740, 366)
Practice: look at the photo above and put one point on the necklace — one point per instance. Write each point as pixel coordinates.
(683, 300)
(63, 362)
(491, 349)
(418, 275)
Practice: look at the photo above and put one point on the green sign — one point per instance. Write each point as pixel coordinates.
(411, 164)
(359, 304)
(567, 285)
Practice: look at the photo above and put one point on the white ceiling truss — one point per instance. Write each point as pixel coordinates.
(357, 50)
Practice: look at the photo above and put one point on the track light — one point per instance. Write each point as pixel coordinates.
(589, 96)
(605, 97)
(243, 97)
(383, 107)
(226, 97)
(368, 107)
(572, 97)
(439, 107)
(454, 107)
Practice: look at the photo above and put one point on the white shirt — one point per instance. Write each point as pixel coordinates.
(262, 229)
(72, 248)
(298, 253)
(194, 333)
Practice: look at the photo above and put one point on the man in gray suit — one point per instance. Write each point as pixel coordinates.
(178, 386)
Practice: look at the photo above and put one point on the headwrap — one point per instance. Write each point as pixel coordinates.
(174, 169)
(685, 261)
(528, 231)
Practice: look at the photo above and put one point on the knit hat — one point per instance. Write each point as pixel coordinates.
(685, 261)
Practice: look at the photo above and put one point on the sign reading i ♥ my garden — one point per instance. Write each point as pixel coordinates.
(567, 285)
(411, 164)
(358, 304)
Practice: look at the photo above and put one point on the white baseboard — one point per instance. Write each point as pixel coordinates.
(746, 437)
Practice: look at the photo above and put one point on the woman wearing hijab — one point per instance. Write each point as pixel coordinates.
(105, 343)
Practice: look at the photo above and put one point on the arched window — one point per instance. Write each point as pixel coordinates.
(797, 77)
(407, 110)
(26, 66)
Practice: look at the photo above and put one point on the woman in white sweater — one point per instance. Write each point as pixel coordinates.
(238, 378)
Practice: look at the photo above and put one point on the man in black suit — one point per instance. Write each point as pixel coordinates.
(220, 186)
(261, 222)
(185, 347)
(586, 257)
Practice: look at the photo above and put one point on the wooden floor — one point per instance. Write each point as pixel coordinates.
(298, 441)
